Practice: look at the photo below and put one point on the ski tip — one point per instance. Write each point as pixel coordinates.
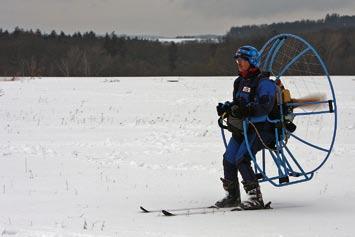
(267, 205)
(143, 209)
(166, 213)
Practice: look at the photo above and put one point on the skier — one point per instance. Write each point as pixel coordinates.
(253, 97)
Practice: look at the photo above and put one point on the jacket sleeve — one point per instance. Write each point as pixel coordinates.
(236, 87)
(265, 99)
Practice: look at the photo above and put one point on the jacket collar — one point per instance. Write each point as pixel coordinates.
(252, 72)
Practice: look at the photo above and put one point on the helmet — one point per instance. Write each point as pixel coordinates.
(249, 53)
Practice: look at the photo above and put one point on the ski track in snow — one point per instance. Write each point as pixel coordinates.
(79, 156)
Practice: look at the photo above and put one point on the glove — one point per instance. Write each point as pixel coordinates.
(235, 111)
(223, 108)
(239, 111)
(220, 109)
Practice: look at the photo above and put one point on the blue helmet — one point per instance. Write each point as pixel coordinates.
(250, 54)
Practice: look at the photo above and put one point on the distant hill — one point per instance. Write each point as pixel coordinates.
(33, 53)
(331, 21)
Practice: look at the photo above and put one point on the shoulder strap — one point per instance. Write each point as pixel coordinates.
(257, 79)
(264, 75)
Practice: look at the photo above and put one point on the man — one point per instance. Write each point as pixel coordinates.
(253, 98)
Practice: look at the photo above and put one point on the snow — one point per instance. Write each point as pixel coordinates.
(78, 156)
(214, 39)
(178, 40)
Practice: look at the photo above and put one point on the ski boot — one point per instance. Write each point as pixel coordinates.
(233, 197)
(255, 198)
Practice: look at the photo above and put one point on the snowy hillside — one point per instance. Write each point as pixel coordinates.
(78, 156)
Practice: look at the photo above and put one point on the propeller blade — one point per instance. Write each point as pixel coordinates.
(309, 98)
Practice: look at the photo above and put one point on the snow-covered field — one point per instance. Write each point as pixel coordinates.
(78, 156)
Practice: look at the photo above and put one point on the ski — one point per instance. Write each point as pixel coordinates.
(240, 208)
(145, 210)
(188, 212)
(209, 210)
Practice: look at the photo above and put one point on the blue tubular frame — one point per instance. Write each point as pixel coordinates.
(279, 45)
(284, 160)
(289, 64)
(308, 143)
(273, 52)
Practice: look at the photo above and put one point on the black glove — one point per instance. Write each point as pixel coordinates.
(220, 110)
(239, 111)
(235, 111)
(223, 108)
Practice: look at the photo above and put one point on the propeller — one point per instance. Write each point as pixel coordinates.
(309, 99)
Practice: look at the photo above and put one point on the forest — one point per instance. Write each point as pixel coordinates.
(34, 53)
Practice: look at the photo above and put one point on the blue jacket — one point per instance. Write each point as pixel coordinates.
(256, 94)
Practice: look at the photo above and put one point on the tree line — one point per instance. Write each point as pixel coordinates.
(33, 53)
(331, 21)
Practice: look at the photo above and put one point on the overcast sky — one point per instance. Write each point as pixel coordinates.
(160, 17)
